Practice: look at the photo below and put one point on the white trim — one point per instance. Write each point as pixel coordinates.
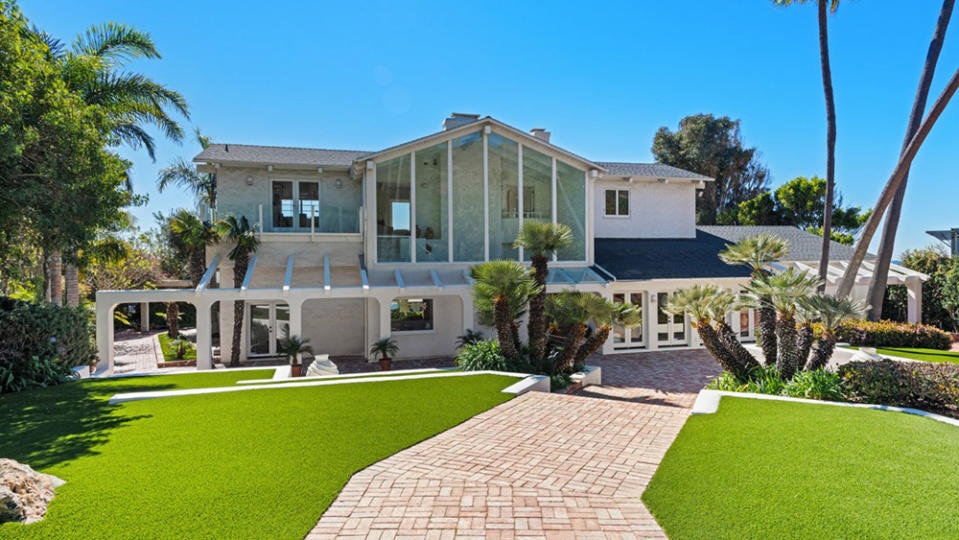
(208, 275)
(249, 274)
(520, 208)
(413, 206)
(449, 197)
(553, 199)
(486, 194)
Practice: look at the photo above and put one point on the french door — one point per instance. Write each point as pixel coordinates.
(629, 338)
(670, 328)
(268, 323)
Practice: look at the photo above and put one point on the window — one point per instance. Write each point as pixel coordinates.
(309, 199)
(571, 209)
(393, 210)
(411, 315)
(282, 204)
(617, 202)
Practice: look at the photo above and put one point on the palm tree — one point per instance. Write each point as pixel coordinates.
(502, 289)
(570, 312)
(825, 6)
(720, 306)
(541, 240)
(806, 335)
(696, 302)
(784, 291)
(604, 317)
(245, 243)
(831, 310)
(757, 252)
(195, 235)
(184, 175)
(877, 287)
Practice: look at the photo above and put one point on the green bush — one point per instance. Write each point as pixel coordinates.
(891, 334)
(482, 355)
(818, 384)
(40, 343)
(922, 385)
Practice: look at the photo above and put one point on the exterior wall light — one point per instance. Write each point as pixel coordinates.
(339, 183)
(249, 180)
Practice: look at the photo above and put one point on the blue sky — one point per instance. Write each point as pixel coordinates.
(602, 78)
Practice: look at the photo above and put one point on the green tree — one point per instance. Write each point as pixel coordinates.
(696, 302)
(569, 313)
(831, 311)
(245, 242)
(783, 292)
(934, 262)
(950, 291)
(502, 289)
(195, 235)
(184, 175)
(712, 146)
(541, 241)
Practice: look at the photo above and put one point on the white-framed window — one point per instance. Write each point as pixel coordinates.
(411, 315)
(617, 203)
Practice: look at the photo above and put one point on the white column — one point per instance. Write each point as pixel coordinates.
(649, 321)
(204, 341)
(608, 344)
(144, 316)
(468, 314)
(296, 317)
(104, 336)
(384, 311)
(914, 302)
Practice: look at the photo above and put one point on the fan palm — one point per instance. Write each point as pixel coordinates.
(696, 302)
(604, 316)
(830, 310)
(182, 174)
(195, 235)
(540, 240)
(245, 240)
(722, 304)
(503, 288)
(783, 292)
(757, 252)
(293, 346)
(569, 313)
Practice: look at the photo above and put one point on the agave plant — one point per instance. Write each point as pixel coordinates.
(831, 311)
(783, 291)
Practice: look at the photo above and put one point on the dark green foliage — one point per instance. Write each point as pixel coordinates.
(935, 263)
(890, 334)
(42, 341)
(482, 355)
(816, 384)
(470, 337)
(924, 385)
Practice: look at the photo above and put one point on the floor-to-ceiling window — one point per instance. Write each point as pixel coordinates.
(393, 210)
(537, 187)
(468, 223)
(339, 204)
(432, 214)
(503, 197)
(571, 209)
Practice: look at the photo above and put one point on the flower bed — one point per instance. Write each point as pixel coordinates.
(891, 334)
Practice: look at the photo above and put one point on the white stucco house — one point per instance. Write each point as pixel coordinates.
(360, 245)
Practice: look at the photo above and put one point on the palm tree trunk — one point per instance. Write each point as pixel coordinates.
(45, 264)
(197, 265)
(71, 280)
(571, 345)
(238, 306)
(592, 344)
(503, 321)
(892, 184)
(767, 332)
(173, 320)
(877, 288)
(729, 339)
(788, 359)
(824, 348)
(56, 278)
(804, 344)
(830, 141)
(710, 339)
(536, 322)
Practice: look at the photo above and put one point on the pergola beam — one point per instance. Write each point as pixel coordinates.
(436, 278)
(208, 275)
(398, 276)
(249, 274)
(327, 283)
(288, 277)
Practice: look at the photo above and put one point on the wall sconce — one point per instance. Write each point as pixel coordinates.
(339, 183)
(249, 180)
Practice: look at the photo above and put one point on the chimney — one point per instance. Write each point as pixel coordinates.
(458, 119)
(541, 134)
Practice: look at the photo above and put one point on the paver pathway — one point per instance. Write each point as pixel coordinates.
(135, 352)
(538, 466)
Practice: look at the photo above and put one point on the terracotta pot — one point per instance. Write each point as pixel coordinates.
(385, 364)
(295, 370)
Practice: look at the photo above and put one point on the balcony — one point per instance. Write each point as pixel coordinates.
(310, 221)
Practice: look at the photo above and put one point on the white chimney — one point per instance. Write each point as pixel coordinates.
(541, 134)
(456, 120)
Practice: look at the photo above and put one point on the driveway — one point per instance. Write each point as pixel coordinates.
(538, 466)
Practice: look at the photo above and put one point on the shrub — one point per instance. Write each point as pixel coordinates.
(891, 334)
(816, 384)
(482, 355)
(904, 384)
(40, 343)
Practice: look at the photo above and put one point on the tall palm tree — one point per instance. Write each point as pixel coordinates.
(183, 174)
(503, 288)
(245, 243)
(757, 252)
(825, 6)
(195, 235)
(877, 288)
(540, 240)
(831, 310)
(784, 291)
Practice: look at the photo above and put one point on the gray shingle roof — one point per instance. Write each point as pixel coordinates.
(650, 170)
(247, 153)
(688, 258)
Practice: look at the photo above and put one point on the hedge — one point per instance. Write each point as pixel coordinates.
(891, 334)
(923, 385)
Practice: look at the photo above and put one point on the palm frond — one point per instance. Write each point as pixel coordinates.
(755, 251)
(695, 300)
(543, 238)
(115, 43)
(54, 45)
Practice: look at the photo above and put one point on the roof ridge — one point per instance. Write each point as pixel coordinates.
(289, 147)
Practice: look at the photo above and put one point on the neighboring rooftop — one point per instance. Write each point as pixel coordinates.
(649, 170)
(276, 155)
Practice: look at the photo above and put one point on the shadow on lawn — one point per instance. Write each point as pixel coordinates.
(47, 426)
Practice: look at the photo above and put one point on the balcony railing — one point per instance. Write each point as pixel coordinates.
(339, 221)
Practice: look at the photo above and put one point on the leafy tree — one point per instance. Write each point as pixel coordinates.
(950, 291)
(540, 240)
(696, 302)
(935, 263)
(569, 313)
(712, 146)
(245, 243)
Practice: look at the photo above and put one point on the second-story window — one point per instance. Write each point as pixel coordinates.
(617, 202)
(309, 203)
(282, 204)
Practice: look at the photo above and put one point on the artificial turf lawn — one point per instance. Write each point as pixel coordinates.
(925, 355)
(169, 350)
(261, 464)
(770, 469)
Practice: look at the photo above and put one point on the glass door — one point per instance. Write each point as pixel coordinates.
(629, 338)
(268, 324)
(670, 329)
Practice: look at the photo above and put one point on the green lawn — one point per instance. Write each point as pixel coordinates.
(260, 464)
(767, 469)
(346, 376)
(926, 355)
(169, 351)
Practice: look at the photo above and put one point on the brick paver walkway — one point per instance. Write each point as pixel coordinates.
(539, 466)
(135, 352)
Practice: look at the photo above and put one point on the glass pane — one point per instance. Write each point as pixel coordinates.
(744, 323)
(623, 202)
(636, 333)
(619, 332)
(662, 316)
(282, 324)
(537, 188)
(503, 155)
(610, 202)
(393, 210)
(571, 209)
(340, 202)
(411, 314)
(259, 329)
(468, 234)
(309, 204)
(432, 214)
(282, 204)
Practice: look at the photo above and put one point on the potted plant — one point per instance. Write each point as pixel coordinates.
(293, 347)
(385, 347)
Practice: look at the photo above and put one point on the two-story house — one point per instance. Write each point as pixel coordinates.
(360, 245)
